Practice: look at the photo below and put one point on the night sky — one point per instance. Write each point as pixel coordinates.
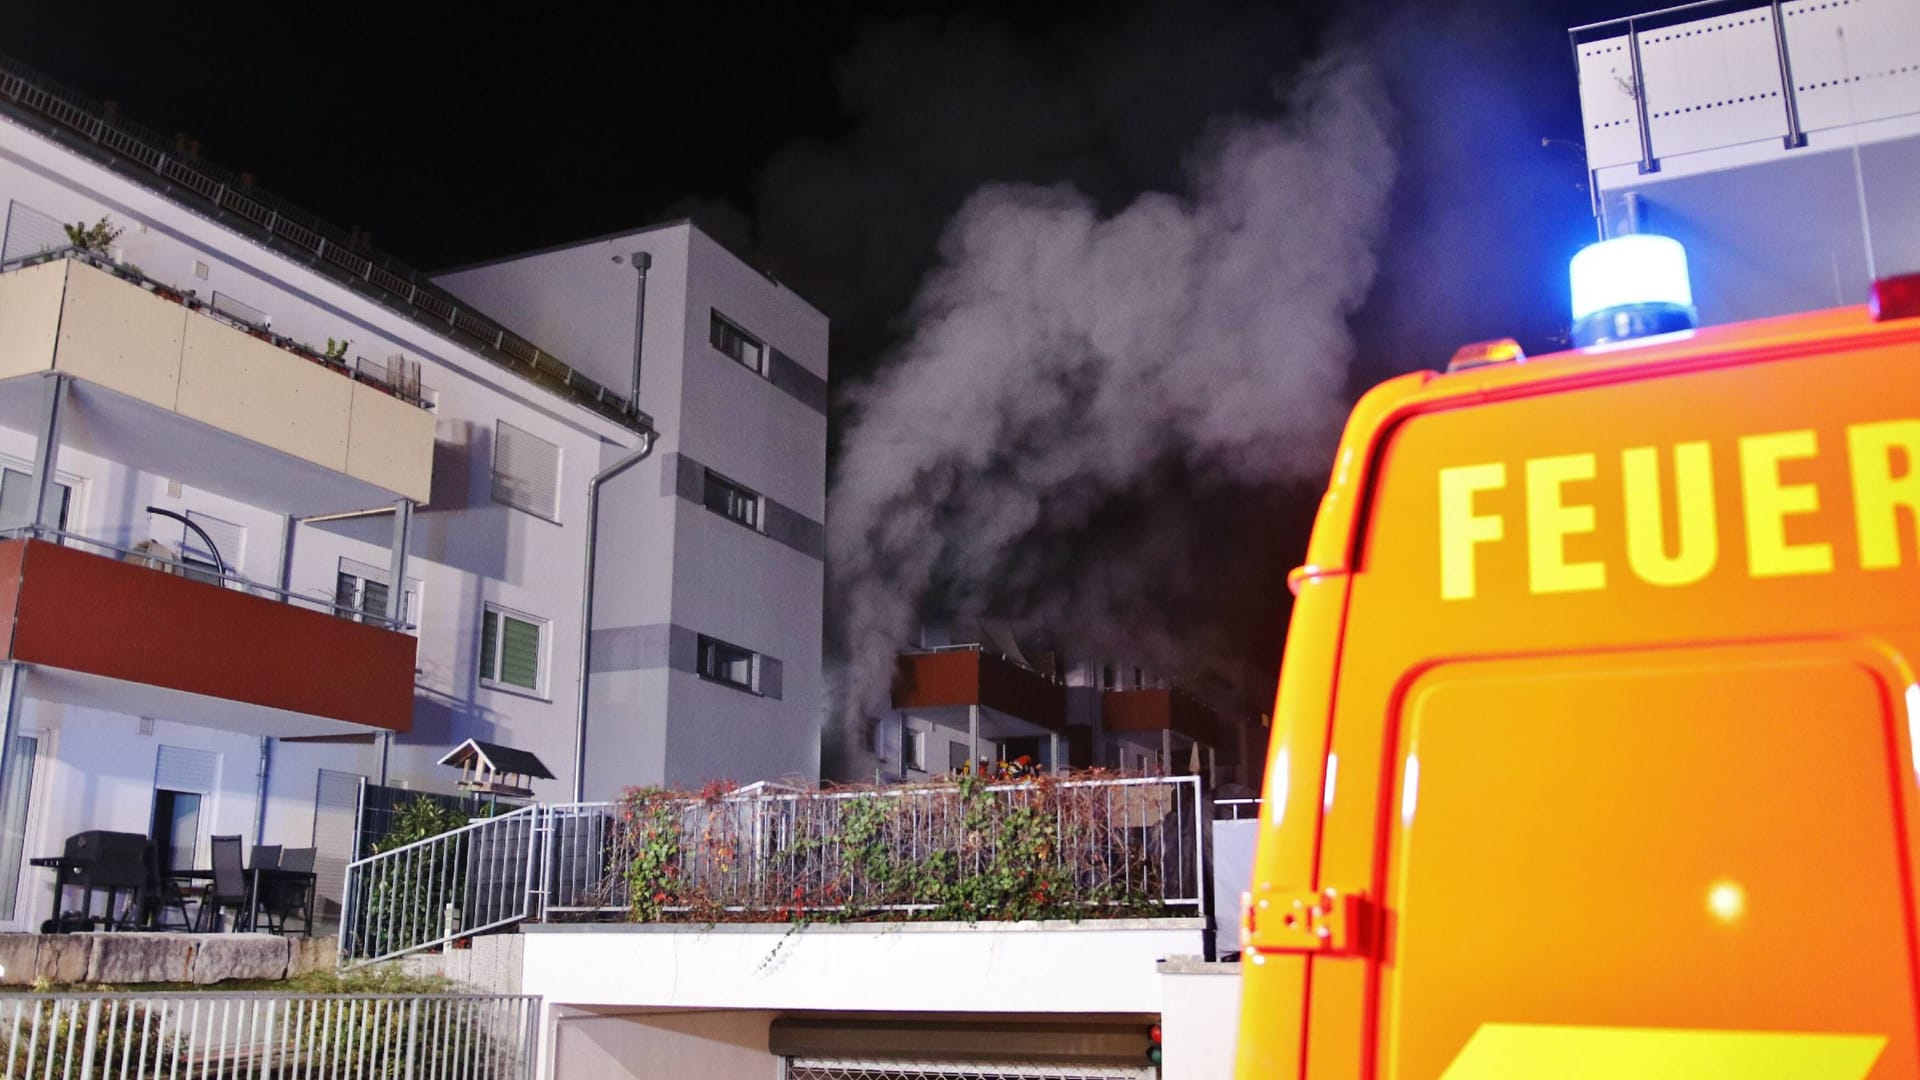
(833, 143)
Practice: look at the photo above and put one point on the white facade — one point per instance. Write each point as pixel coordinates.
(687, 571)
(621, 1001)
(663, 561)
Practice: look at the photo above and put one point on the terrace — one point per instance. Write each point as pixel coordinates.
(958, 851)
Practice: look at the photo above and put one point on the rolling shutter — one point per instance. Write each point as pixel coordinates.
(526, 471)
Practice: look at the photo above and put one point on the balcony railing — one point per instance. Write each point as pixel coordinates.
(163, 561)
(1078, 849)
(1722, 73)
(400, 380)
(236, 199)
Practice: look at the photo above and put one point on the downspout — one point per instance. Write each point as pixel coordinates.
(642, 262)
(260, 796)
(648, 438)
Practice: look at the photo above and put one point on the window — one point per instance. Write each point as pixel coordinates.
(510, 649)
(182, 779)
(16, 500)
(750, 351)
(13, 821)
(728, 499)
(200, 562)
(730, 664)
(360, 593)
(916, 751)
(526, 471)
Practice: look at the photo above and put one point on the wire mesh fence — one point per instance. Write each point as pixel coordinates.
(268, 1036)
(963, 850)
(958, 849)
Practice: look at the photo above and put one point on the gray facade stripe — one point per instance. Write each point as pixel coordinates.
(683, 650)
(665, 645)
(644, 648)
(687, 478)
(796, 530)
(786, 374)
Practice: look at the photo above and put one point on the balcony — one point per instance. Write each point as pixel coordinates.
(131, 635)
(160, 380)
(951, 680)
(1152, 710)
(1708, 85)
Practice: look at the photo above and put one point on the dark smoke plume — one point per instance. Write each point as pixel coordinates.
(1080, 389)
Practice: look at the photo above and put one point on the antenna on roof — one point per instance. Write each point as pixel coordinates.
(1859, 174)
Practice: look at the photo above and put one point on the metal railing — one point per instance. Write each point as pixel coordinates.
(1132, 842)
(433, 891)
(163, 561)
(1136, 844)
(189, 1036)
(235, 198)
(401, 381)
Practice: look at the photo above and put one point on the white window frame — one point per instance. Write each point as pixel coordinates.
(363, 574)
(914, 750)
(74, 484)
(491, 680)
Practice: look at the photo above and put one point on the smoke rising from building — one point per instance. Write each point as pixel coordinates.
(1080, 389)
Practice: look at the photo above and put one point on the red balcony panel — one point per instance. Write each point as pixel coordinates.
(87, 613)
(1151, 709)
(959, 677)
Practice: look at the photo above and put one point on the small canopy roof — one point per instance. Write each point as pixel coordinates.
(496, 758)
(499, 770)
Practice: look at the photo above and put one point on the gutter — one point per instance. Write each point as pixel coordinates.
(648, 438)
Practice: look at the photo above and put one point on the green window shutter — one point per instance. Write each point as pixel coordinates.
(519, 652)
(489, 627)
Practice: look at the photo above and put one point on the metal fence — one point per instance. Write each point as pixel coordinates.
(429, 892)
(267, 1036)
(1136, 843)
(1132, 842)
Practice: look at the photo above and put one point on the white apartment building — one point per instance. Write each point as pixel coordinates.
(314, 520)
(707, 627)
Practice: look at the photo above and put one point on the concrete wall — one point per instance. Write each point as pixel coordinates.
(730, 1045)
(1091, 967)
(1199, 1018)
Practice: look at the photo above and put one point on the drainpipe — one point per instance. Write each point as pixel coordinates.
(642, 262)
(260, 795)
(586, 595)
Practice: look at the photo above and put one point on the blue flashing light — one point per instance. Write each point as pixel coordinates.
(1630, 286)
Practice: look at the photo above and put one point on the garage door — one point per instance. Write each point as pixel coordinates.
(820, 1068)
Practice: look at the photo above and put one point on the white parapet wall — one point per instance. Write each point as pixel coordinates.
(626, 1000)
(1199, 1018)
(1097, 966)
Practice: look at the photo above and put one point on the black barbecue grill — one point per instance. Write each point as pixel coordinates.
(96, 861)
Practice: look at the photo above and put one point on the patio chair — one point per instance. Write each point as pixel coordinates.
(229, 886)
(161, 895)
(264, 857)
(284, 896)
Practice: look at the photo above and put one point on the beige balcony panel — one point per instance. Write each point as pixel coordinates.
(30, 317)
(386, 441)
(119, 335)
(239, 383)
